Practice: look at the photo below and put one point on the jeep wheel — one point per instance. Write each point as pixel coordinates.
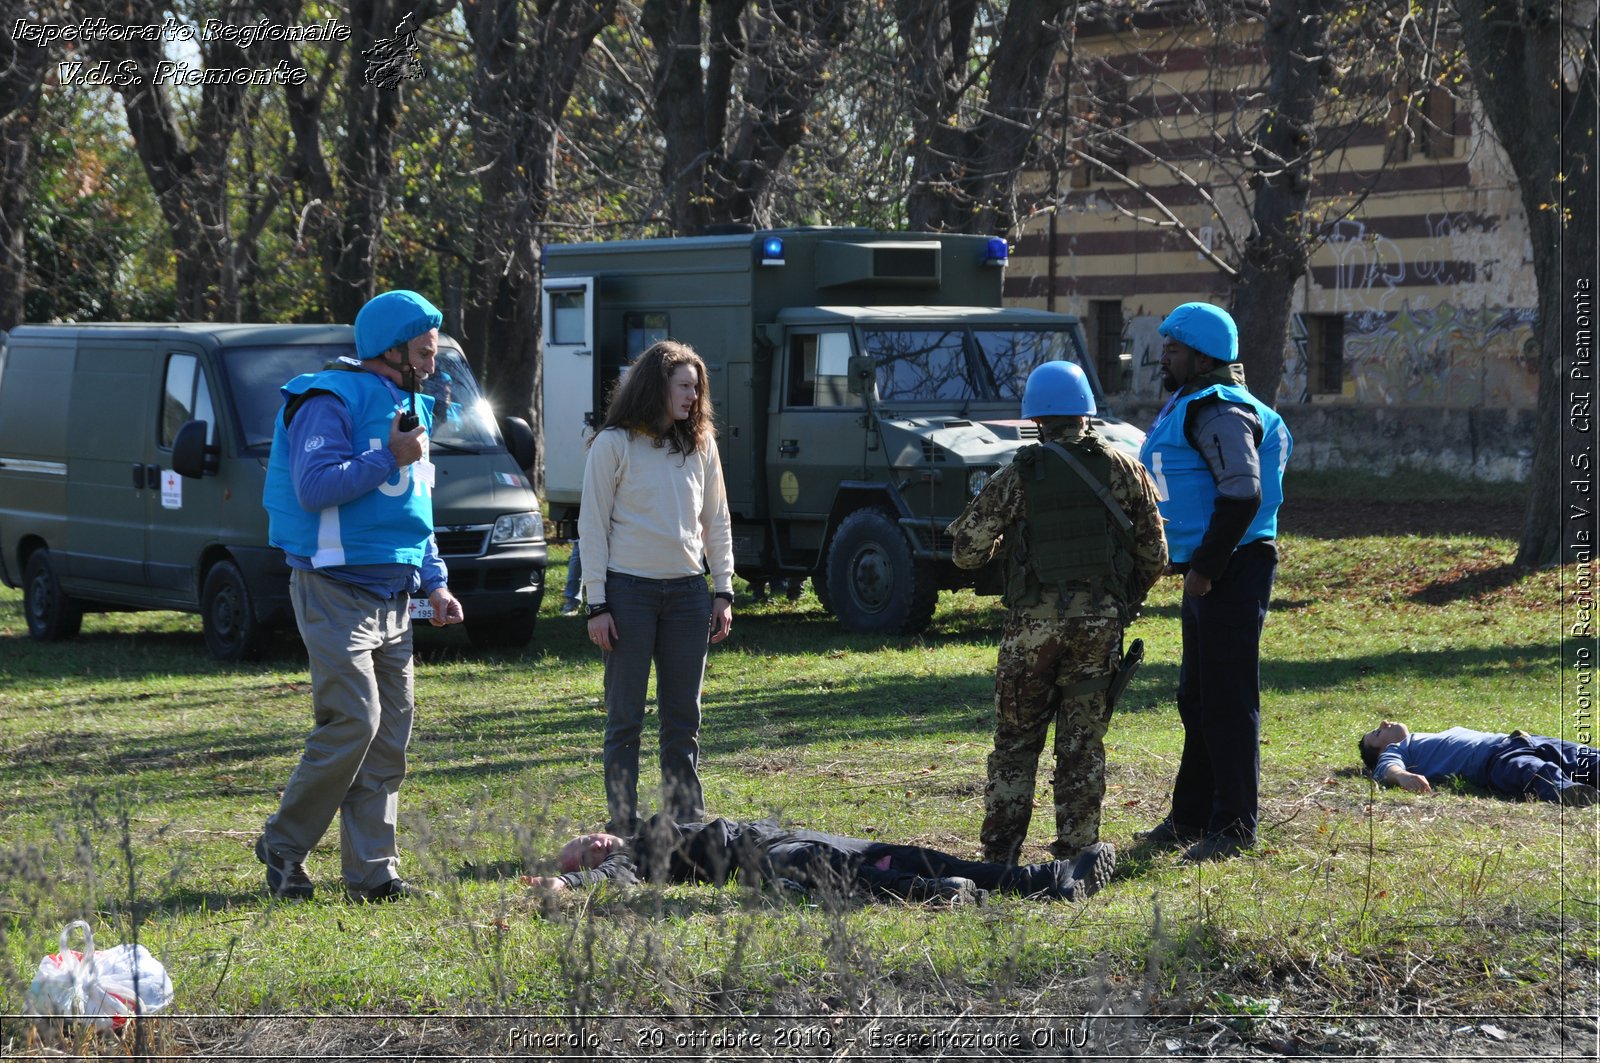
(502, 632)
(51, 614)
(874, 584)
(227, 616)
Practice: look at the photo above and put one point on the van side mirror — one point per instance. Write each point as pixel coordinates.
(519, 440)
(863, 373)
(189, 451)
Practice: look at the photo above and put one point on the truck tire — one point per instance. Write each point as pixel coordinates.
(874, 584)
(502, 632)
(228, 617)
(51, 614)
(819, 587)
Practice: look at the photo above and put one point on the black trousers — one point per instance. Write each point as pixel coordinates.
(898, 870)
(1219, 697)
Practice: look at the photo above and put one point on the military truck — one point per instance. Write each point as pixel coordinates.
(866, 386)
(132, 459)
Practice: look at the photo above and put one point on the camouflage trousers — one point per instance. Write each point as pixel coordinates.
(1039, 657)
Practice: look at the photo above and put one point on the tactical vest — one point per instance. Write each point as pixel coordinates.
(385, 526)
(1184, 484)
(1069, 541)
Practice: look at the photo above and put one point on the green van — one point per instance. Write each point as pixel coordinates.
(132, 459)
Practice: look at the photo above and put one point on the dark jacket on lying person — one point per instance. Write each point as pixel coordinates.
(766, 852)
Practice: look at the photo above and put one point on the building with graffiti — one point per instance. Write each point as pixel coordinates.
(1420, 290)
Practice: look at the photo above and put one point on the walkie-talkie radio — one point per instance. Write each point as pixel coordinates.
(409, 419)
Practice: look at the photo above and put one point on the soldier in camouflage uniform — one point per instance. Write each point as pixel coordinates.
(1075, 574)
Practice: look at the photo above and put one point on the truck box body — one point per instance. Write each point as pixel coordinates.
(95, 515)
(865, 384)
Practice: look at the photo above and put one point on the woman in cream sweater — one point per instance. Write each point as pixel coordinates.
(654, 517)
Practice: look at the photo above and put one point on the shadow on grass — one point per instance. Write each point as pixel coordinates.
(1468, 585)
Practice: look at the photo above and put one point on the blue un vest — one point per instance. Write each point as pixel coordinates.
(386, 526)
(1183, 480)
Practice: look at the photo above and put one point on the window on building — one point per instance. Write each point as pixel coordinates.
(1439, 124)
(1106, 344)
(1422, 123)
(1105, 118)
(1324, 353)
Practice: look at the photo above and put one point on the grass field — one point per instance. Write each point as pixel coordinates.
(137, 772)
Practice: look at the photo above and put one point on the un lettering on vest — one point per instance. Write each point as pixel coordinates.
(402, 480)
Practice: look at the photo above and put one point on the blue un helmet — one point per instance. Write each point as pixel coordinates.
(391, 319)
(1057, 389)
(1208, 329)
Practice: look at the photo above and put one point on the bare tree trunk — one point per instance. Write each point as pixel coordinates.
(1547, 128)
(964, 177)
(22, 69)
(725, 143)
(525, 73)
(1277, 250)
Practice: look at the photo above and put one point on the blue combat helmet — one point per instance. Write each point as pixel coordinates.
(1058, 389)
(1208, 329)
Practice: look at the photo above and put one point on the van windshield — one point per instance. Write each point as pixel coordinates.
(462, 418)
(987, 364)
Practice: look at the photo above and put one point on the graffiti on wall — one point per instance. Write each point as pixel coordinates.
(1463, 250)
(1443, 355)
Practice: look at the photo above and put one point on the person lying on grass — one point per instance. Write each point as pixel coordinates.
(765, 852)
(1516, 764)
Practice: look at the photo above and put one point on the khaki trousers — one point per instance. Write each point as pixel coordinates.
(355, 756)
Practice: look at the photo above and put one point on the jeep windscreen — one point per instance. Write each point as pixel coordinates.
(942, 366)
(462, 419)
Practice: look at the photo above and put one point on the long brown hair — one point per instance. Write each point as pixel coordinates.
(640, 399)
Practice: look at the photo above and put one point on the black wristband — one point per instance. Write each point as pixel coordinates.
(726, 596)
(599, 610)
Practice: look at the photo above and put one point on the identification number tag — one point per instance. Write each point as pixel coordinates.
(421, 609)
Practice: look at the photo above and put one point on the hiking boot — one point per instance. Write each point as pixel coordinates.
(1086, 872)
(396, 889)
(952, 890)
(286, 878)
(1169, 835)
(1218, 847)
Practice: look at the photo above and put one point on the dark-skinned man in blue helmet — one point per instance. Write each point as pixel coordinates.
(1217, 455)
(1075, 527)
(349, 497)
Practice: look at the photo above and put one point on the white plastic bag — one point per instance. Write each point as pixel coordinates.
(98, 987)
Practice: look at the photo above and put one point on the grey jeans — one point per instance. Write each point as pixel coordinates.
(667, 622)
(355, 756)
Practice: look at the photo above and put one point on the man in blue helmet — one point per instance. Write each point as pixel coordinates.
(1079, 536)
(349, 496)
(1217, 455)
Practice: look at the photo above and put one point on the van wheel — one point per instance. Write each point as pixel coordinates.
(51, 614)
(501, 632)
(874, 584)
(227, 617)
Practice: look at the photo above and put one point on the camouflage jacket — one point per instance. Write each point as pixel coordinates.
(981, 528)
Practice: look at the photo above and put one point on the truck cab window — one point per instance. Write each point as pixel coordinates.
(819, 368)
(186, 398)
(1011, 354)
(921, 365)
